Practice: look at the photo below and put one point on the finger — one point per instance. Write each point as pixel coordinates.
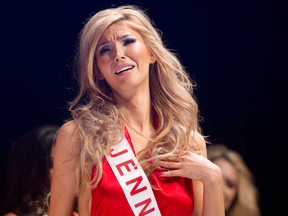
(170, 173)
(173, 158)
(169, 164)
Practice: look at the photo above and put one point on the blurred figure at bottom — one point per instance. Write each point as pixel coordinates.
(29, 172)
(241, 195)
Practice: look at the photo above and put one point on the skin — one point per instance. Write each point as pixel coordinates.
(120, 48)
(230, 179)
(52, 158)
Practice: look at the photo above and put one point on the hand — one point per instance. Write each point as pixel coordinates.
(190, 165)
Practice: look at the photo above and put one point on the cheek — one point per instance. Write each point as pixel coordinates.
(139, 53)
(230, 193)
(103, 65)
(104, 68)
(139, 50)
(229, 196)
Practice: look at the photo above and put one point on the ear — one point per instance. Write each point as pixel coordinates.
(152, 59)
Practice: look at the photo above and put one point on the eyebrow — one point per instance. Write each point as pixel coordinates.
(118, 38)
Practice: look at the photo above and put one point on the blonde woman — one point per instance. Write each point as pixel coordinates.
(240, 191)
(134, 146)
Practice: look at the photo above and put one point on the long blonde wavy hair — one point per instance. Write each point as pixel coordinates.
(94, 108)
(247, 197)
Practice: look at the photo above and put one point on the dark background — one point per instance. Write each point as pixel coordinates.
(231, 49)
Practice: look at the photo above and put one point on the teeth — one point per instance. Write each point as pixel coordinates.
(123, 69)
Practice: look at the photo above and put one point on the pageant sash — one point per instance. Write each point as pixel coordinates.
(133, 180)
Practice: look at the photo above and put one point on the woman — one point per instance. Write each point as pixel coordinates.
(134, 146)
(29, 172)
(240, 191)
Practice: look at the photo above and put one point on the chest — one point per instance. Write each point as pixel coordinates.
(173, 194)
(140, 141)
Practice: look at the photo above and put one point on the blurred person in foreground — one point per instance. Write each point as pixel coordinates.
(29, 172)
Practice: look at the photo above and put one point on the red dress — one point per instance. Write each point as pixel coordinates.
(174, 198)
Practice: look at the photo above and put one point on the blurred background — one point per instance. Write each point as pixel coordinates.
(232, 50)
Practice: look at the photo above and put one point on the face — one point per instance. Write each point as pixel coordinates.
(230, 179)
(123, 60)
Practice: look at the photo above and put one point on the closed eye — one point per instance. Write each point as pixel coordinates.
(231, 184)
(104, 49)
(128, 41)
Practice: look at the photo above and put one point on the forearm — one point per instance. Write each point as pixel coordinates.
(64, 180)
(213, 200)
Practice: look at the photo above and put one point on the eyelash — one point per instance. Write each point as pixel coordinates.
(128, 41)
(107, 48)
(103, 50)
(230, 184)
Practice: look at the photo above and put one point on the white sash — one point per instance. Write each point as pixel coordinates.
(133, 180)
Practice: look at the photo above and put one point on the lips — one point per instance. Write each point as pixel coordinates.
(121, 70)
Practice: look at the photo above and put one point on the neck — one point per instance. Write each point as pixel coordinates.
(140, 119)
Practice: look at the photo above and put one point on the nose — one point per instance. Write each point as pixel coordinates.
(119, 53)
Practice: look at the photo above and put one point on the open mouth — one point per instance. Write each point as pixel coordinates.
(124, 69)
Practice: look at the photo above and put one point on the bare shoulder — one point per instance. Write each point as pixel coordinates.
(67, 140)
(10, 214)
(69, 128)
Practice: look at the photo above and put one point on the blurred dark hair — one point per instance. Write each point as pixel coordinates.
(28, 171)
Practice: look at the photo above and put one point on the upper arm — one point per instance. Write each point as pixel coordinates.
(64, 182)
(198, 187)
(200, 143)
(208, 193)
